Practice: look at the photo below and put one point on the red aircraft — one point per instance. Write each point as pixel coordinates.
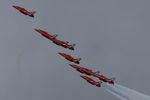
(91, 81)
(104, 78)
(46, 34)
(83, 70)
(70, 58)
(24, 11)
(64, 44)
(54, 40)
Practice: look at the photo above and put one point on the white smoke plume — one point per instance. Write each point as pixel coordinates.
(115, 94)
(125, 93)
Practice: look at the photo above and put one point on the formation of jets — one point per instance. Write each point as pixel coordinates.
(91, 73)
(65, 44)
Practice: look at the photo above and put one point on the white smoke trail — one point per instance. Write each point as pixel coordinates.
(133, 93)
(125, 93)
(114, 89)
(115, 94)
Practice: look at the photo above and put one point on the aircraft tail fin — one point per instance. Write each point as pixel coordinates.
(97, 72)
(55, 35)
(79, 59)
(33, 12)
(113, 78)
(100, 82)
(73, 45)
(67, 42)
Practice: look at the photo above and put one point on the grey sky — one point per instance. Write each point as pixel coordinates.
(111, 36)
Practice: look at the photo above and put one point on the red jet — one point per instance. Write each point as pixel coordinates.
(70, 58)
(64, 44)
(54, 40)
(24, 11)
(83, 70)
(91, 81)
(104, 78)
(46, 34)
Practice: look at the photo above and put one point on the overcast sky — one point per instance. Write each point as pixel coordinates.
(112, 36)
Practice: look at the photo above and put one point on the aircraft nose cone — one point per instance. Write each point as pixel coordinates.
(84, 77)
(71, 65)
(14, 6)
(60, 53)
(81, 76)
(36, 29)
